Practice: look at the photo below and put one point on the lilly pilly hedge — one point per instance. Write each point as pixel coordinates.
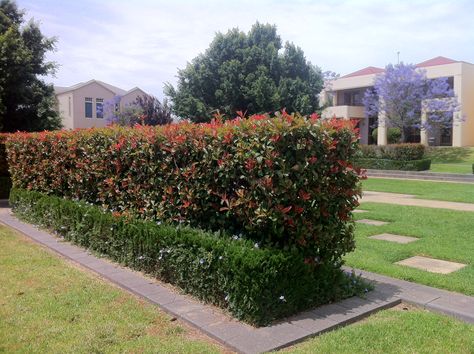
(286, 181)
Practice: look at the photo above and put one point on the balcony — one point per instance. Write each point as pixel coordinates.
(345, 112)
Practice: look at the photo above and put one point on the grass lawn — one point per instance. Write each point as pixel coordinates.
(451, 159)
(395, 331)
(443, 234)
(454, 192)
(49, 306)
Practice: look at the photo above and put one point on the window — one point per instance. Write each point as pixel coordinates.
(99, 107)
(88, 107)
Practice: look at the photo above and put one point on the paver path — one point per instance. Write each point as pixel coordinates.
(409, 199)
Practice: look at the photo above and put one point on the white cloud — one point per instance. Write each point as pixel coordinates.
(143, 43)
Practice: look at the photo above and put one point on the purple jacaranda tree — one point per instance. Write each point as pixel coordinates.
(403, 93)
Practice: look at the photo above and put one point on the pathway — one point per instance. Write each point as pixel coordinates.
(408, 199)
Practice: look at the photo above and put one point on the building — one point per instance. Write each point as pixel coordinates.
(348, 91)
(82, 105)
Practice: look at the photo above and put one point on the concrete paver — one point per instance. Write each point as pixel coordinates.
(394, 238)
(372, 222)
(431, 264)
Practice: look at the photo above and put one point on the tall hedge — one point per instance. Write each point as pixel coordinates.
(5, 182)
(286, 181)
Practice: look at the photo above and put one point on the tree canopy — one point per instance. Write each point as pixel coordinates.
(404, 93)
(246, 72)
(27, 103)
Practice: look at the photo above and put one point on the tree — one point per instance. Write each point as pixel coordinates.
(145, 110)
(404, 93)
(246, 72)
(27, 103)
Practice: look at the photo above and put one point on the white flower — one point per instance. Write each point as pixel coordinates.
(141, 257)
(220, 257)
(235, 237)
(282, 298)
(158, 223)
(256, 245)
(227, 298)
(201, 261)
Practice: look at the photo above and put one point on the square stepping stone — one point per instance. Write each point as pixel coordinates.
(359, 211)
(372, 222)
(431, 264)
(394, 238)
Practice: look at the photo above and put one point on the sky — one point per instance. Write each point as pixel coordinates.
(144, 42)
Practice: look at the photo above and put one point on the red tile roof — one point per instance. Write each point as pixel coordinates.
(374, 70)
(366, 71)
(436, 61)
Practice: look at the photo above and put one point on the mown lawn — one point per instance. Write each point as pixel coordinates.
(443, 234)
(49, 306)
(451, 159)
(395, 331)
(454, 192)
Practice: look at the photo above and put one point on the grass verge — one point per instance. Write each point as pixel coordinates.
(49, 306)
(451, 159)
(395, 331)
(443, 234)
(454, 192)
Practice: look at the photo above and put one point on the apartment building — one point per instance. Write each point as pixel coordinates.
(82, 105)
(347, 93)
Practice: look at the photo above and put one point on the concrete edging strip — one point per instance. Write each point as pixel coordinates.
(239, 336)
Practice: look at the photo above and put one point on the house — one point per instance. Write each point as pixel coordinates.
(82, 105)
(347, 92)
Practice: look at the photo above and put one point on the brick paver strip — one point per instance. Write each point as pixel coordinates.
(410, 200)
(240, 336)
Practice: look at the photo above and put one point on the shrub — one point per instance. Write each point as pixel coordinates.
(255, 284)
(5, 181)
(401, 152)
(385, 164)
(285, 182)
(393, 135)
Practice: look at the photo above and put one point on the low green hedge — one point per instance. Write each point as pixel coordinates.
(255, 284)
(386, 164)
(403, 152)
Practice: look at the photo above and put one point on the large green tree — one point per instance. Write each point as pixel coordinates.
(27, 103)
(246, 72)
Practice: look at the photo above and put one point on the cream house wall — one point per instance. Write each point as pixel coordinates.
(66, 109)
(93, 90)
(130, 97)
(467, 99)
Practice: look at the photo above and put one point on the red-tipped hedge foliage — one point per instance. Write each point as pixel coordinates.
(285, 181)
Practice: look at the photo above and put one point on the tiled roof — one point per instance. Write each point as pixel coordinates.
(374, 70)
(366, 71)
(436, 61)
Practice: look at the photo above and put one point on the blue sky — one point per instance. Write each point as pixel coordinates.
(143, 42)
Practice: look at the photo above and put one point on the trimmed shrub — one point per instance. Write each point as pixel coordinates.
(255, 284)
(393, 135)
(285, 182)
(385, 164)
(402, 152)
(5, 182)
